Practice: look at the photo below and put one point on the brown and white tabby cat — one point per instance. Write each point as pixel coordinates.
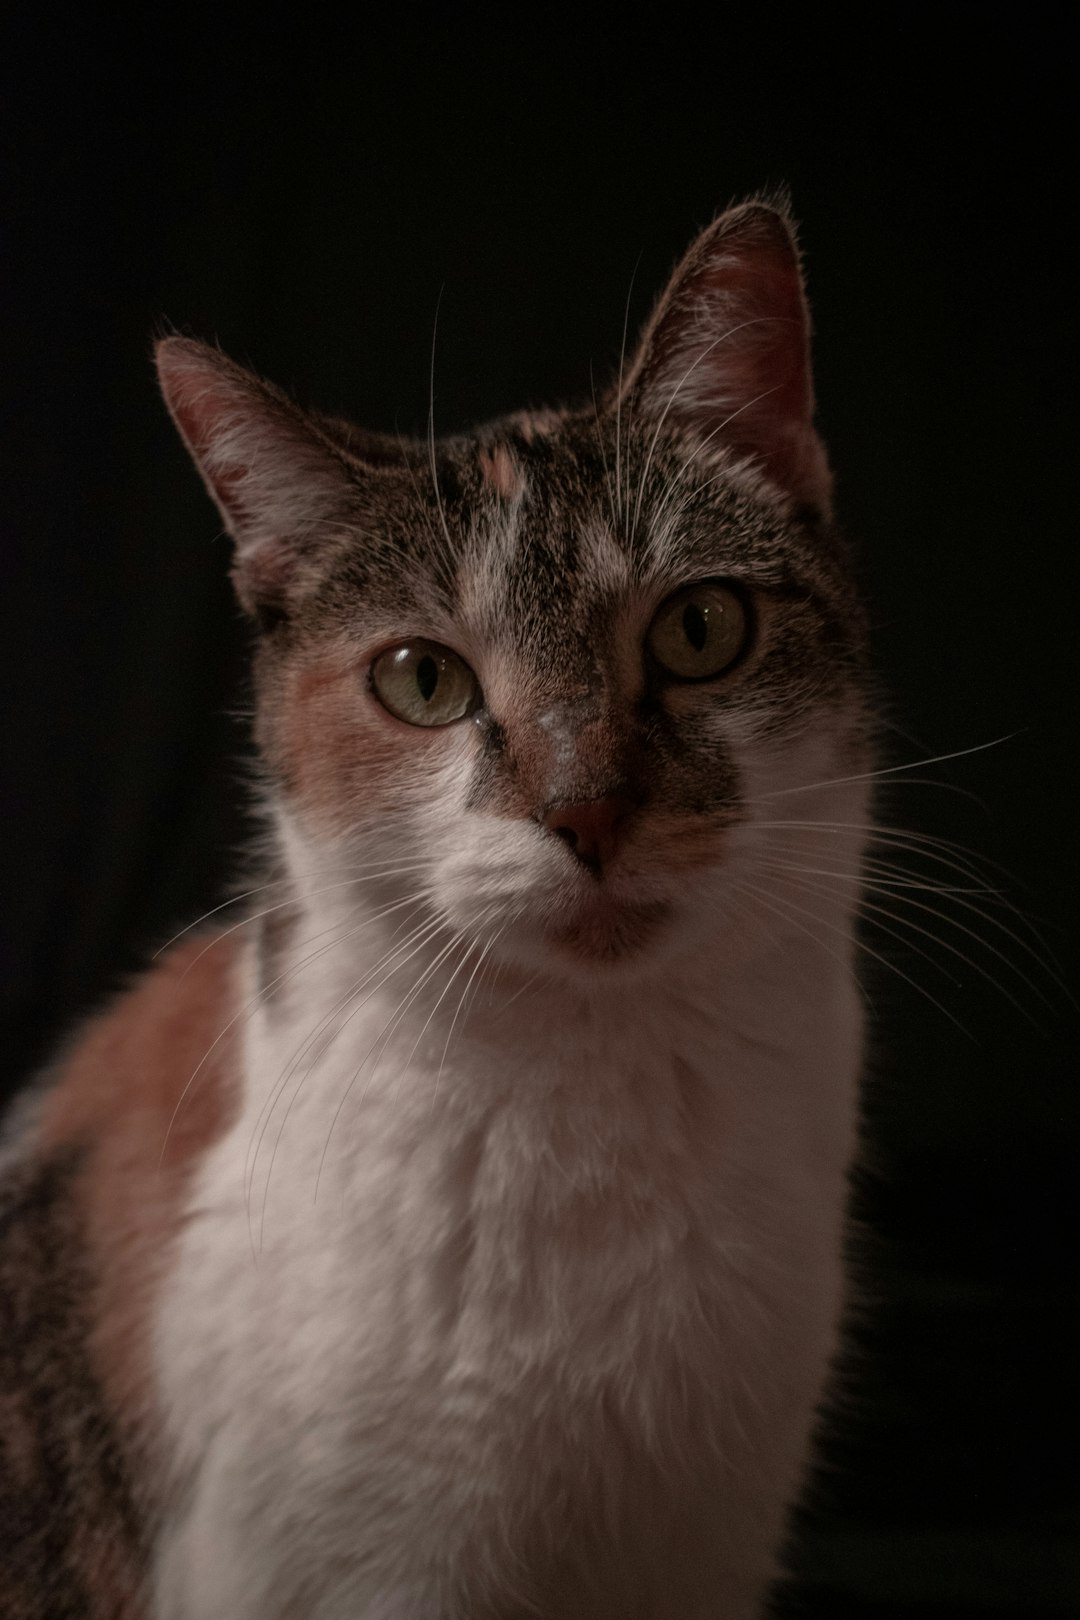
(460, 1237)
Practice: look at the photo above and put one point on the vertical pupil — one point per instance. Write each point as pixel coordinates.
(427, 677)
(695, 626)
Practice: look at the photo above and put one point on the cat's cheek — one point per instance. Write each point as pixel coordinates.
(344, 765)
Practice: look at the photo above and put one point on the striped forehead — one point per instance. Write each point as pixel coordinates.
(543, 566)
(556, 541)
(544, 545)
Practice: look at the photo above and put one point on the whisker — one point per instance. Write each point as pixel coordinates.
(817, 888)
(942, 850)
(876, 955)
(756, 320)
(757, 896)
(888, 874)
(890, 770)
(866, 904)
(247, 1011)
(960, 860)
(461, 1003)
(603, 453)
(894, 872)
(664, 506)
(418, 939)
(431, 439)
(388, 1030)
(520, 991)
(261, 888)
(299, 899)
(384, 1036)
(621, 518)
(427, 932)
(314, 1035)
(495, 966)
(458, 938)
(438, 541)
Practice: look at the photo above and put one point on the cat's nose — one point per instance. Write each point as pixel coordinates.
(591, 828)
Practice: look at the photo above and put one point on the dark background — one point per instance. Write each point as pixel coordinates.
(301, 189)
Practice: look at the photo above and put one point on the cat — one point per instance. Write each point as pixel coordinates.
(459, 1236)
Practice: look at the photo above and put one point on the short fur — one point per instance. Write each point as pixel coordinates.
(461, 1238)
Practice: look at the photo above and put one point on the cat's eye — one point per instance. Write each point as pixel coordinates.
(424, 684)
(700, 631)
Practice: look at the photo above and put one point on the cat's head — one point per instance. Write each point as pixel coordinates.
(554, 669)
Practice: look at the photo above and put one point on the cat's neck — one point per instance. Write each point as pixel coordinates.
(352, 1000)
(367, 1020)
(360, 1092)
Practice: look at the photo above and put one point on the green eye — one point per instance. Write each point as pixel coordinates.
(699, 632)
(424, 684)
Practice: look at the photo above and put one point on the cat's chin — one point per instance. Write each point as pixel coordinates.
(609, 934)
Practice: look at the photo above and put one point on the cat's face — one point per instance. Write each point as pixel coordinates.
(552, 675)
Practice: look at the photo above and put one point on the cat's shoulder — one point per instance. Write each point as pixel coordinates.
(91, 1188)
(98, 1159)
(162, 1047)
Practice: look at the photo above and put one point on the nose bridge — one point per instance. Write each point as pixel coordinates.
(582, 750)
(567, 722)
(585, 784)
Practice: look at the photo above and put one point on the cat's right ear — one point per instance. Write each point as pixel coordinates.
(277, 483)
(726, 355)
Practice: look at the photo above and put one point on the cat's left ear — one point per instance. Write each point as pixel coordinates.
(726, 355)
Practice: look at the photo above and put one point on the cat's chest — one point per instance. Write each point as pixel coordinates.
(533, 1198)
(584, 1255)
(484, 1215)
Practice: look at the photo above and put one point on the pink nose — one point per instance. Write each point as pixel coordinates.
(591, 828)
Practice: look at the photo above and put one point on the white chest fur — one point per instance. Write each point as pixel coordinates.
(536, 1323)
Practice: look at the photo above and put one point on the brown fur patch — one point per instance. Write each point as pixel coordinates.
(346, 762)
(501, 472)
(339, 759)
(533, 425)
(128, 1100)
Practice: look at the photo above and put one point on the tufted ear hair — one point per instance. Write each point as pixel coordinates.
(726, 354)
(278, 482)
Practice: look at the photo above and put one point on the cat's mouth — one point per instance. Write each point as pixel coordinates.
(608, 930)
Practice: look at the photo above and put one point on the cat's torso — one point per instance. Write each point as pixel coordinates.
(596, 1255)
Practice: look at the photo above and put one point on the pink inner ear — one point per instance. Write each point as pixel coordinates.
(726, 355)
(769, 353)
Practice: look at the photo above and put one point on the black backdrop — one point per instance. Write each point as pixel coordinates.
(302, 188)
